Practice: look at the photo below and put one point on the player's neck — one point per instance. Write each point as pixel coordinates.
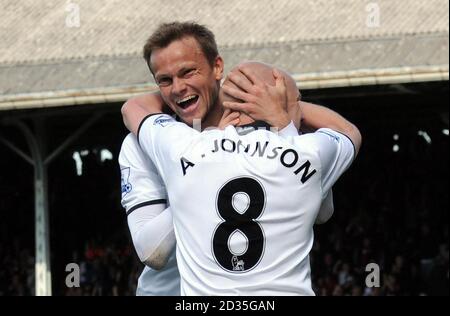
(214, 115)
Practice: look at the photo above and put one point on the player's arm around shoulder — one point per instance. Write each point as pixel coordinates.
(137, 108)
(144, 198)
(314, 117)
(353, 133)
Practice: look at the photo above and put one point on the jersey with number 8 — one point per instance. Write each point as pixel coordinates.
(244, 206)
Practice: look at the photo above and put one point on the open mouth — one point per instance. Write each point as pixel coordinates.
(187, 101)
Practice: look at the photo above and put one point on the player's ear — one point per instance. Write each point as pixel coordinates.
(218, 67)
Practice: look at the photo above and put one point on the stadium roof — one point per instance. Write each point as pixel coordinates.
(47, 60)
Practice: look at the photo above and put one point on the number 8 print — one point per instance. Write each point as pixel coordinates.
(246, 223)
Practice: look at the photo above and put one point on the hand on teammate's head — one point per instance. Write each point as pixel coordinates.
(263, 92)
(229, 118)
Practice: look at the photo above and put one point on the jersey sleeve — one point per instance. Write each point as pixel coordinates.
(165, 140)
(336, 153)
(140, 183)
(326, 208)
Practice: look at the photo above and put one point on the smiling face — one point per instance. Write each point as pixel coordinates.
(187, 82)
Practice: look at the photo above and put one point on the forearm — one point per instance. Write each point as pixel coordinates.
(326, 209)
(138, 107)
(153, 236)
(316, 116)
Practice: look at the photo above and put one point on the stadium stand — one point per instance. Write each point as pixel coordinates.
(391, 209)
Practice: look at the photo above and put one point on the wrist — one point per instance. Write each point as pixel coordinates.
(280, 121)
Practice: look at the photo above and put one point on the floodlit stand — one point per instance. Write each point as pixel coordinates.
(37, 144)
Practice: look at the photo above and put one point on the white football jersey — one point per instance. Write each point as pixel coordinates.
(164, 282)
(141, 186)
(244, 206)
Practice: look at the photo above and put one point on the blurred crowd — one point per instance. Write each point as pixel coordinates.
(399, 221)
(391, 209)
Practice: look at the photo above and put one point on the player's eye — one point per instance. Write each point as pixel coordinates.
(188, 73)
(164, 82)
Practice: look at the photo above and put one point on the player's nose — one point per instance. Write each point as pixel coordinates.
(178, 86)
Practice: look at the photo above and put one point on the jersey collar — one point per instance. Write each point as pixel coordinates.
(248, 128)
